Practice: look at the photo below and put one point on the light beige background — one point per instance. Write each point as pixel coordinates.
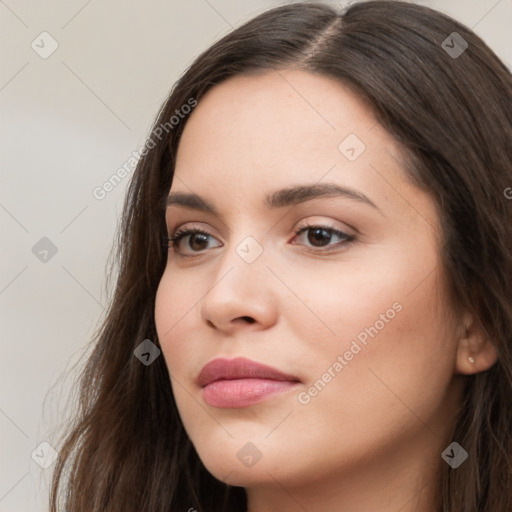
(68, 122)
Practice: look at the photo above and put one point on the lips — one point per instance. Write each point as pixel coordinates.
(240, 382)
(239, 368)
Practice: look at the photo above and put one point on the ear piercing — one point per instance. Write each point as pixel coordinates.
(471, 359)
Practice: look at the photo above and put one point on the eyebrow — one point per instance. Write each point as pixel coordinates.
(278, 199)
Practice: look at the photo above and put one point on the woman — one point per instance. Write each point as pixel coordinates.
(327, 323)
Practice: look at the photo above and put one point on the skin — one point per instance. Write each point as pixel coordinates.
(371, 439)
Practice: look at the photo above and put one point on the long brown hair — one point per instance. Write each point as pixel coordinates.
(450, 107)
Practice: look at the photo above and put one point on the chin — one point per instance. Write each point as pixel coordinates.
(232, 472)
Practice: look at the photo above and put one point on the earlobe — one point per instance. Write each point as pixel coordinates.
(475, 352)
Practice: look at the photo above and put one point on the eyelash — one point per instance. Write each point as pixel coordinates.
(173, 240)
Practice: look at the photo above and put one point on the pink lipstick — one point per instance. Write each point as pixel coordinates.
(240, 382)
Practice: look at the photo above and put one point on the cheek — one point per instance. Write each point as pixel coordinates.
(387, 339)
(173, 309)
(383, 294)
(397, 355)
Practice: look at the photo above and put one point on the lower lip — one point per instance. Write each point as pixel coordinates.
(237, 393)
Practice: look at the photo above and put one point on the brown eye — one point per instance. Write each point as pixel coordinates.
(321, 236)
(197, 240)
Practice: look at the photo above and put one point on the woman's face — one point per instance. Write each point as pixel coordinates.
(353, 311)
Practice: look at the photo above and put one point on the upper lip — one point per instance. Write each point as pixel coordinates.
(239, 368)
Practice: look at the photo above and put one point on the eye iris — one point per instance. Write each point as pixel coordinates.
(319, 234)
(203, 241)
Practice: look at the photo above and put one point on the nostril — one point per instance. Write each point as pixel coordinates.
(248, 319)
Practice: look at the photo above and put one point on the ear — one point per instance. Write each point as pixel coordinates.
(475, 352)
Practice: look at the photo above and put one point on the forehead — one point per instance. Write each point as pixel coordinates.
(279, 110)
(280, 122)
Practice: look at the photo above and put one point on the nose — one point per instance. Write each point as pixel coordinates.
(242, 295)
